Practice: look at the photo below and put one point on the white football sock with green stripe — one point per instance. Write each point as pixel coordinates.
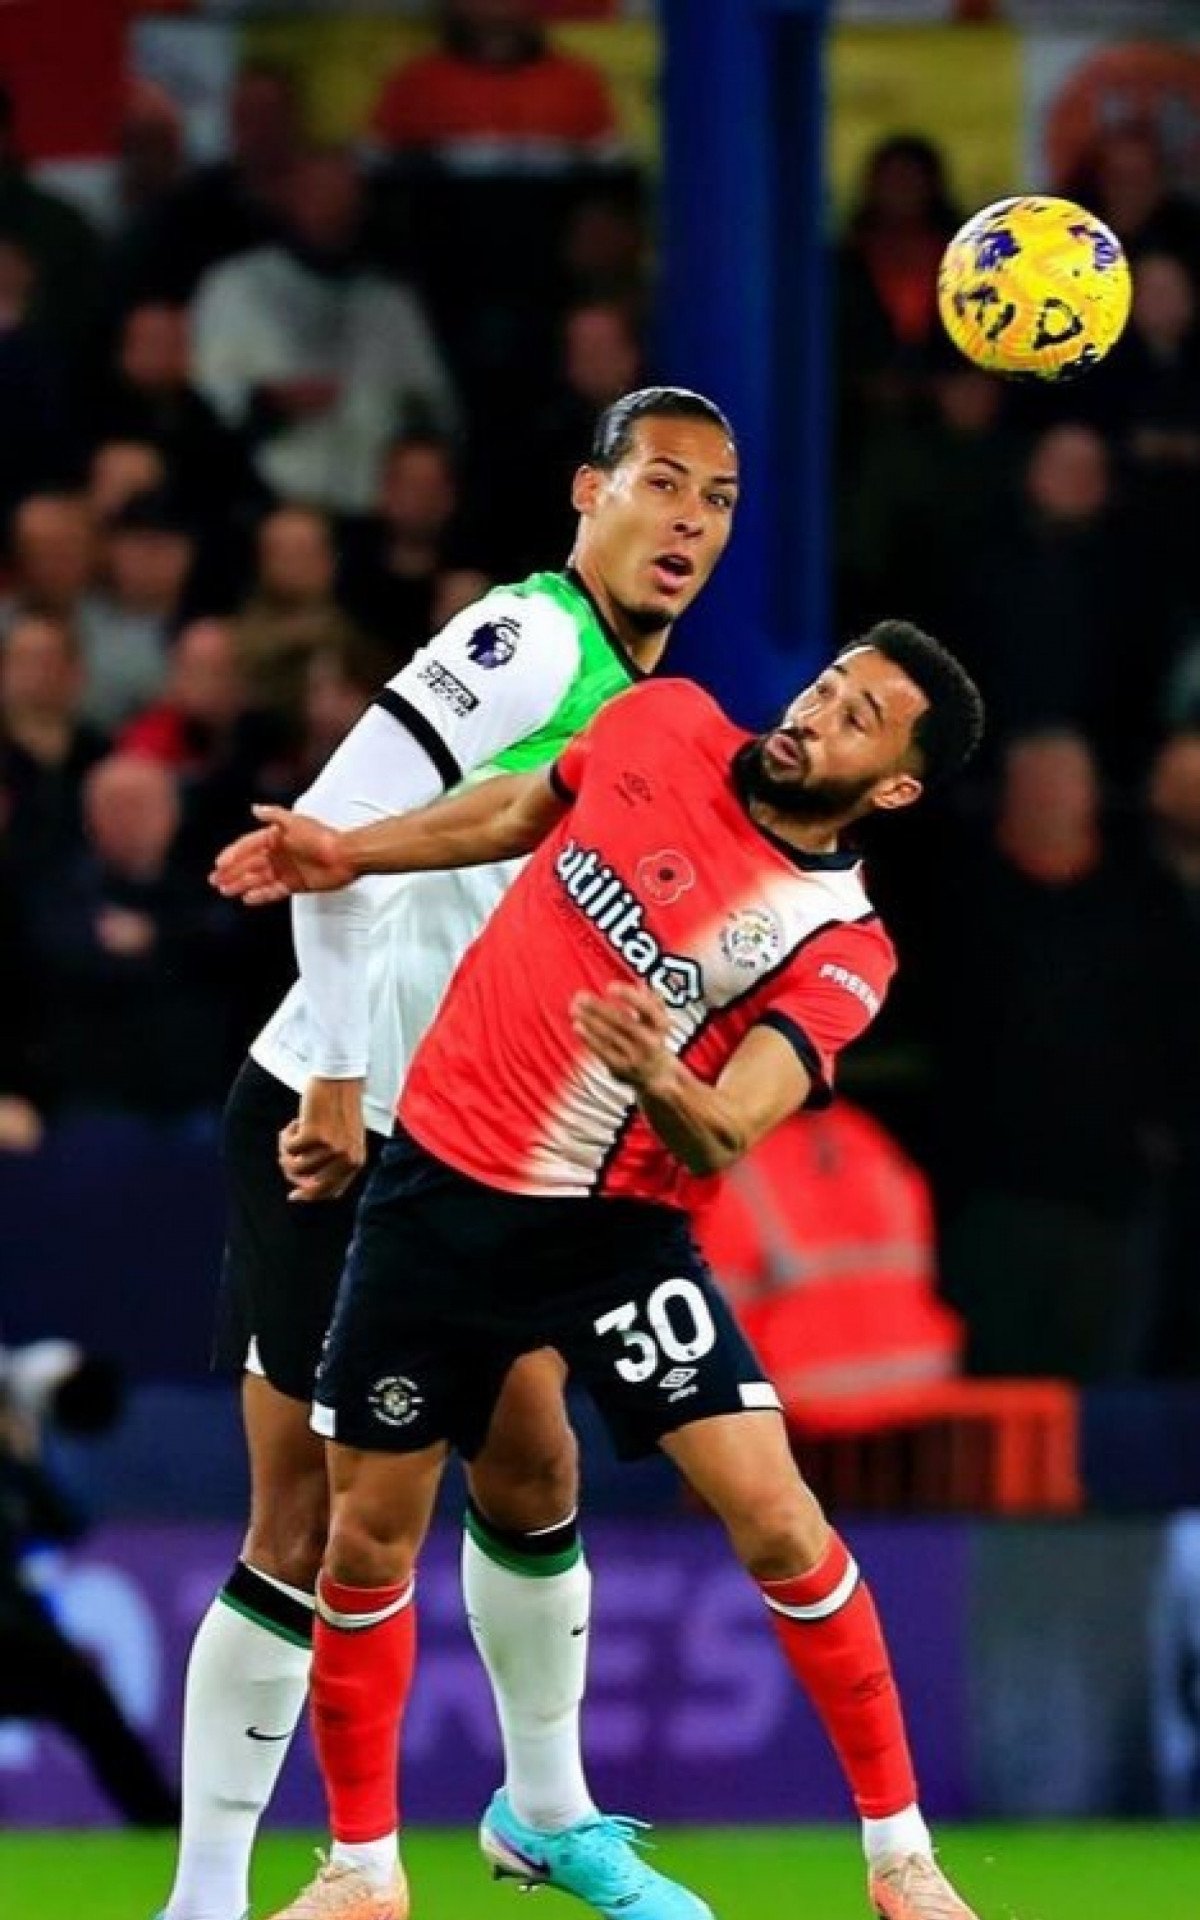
(247, 1681)
(528, 1601)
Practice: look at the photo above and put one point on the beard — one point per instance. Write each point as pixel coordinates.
(796, 794)
(647, 621)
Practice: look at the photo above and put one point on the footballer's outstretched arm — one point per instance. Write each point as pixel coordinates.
(707, 1127)
(498, 819)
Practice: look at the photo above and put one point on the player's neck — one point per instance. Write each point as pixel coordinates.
(807, 836)
(644, 649)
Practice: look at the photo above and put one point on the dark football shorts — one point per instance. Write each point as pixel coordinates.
(448, 1282)
(283, 1259)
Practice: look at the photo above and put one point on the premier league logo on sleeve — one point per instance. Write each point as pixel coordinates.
(494, 643)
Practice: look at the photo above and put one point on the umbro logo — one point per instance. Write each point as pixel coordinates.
(678, 1382)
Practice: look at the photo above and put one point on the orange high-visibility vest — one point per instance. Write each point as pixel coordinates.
(823, 1238)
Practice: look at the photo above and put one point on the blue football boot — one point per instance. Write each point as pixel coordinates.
(597, 1860)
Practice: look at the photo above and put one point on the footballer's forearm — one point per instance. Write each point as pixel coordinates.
(497, 819)
(709, 1127)
(699, 1124)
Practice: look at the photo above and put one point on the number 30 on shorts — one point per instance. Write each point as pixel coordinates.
(680, 1327)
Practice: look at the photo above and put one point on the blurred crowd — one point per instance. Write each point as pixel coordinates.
(249, 438)
(299, 406)
(1044, 1049)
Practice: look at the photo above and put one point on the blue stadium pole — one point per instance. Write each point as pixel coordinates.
(744, 318)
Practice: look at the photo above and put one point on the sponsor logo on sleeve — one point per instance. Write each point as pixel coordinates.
(448, 688)
(852, 983)
(494, 643)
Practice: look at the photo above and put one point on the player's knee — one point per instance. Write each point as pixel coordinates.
(287, 1535)
(368, 1547)
(293, 1558)
(776, 1539)
(525, 1489)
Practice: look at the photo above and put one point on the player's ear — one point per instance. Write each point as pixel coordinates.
(898, 790)
(585, 488)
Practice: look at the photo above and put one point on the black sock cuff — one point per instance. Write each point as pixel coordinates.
(262, 1601)
(560, 1545)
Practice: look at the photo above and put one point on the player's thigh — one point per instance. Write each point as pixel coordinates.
(283, 1260)
(525, 1476)
(742, 1466)
(289, 1485)
(406, 1364)
(657, 1346)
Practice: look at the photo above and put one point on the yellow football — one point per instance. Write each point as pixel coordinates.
(1034, 287)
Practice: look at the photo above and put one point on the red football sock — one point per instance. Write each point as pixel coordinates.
(364, 1647)
(830, 1633)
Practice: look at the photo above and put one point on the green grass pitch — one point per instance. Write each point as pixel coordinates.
(1011, 1873)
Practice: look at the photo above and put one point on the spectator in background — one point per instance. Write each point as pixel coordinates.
(339, 685)
(150, 397)
(1059, 629)
(151, 159)
(201, 703)
(495, 137)
(291, 613)
(118, 471)
(53, 553)
(46, 745)
(496, 83)
(454, 589)
(1172, 1342)
(125, 625)
(232, 205)
(823, 1239)
(390, 563)
(925, 500)
(132, 959)
(1060, 1000)
(888, 324)
(65, 297)
(318, 358)
(598, 358)
(202, 729)
(1147, 398)
(606, 246)
(37, 442)
(1126, 184)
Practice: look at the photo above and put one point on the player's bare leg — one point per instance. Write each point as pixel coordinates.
(528, 1598)
(247, 1676)
(741, 1465)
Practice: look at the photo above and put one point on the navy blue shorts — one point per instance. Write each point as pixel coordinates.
(448, 1282)
(283, 1263)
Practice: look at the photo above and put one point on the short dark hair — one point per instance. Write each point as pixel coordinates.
(950, 729)
(614, 429)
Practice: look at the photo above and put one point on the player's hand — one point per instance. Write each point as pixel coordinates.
(289, 853)
(323, 1150)
(627, 1028)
